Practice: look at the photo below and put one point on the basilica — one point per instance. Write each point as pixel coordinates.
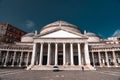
(64, 45)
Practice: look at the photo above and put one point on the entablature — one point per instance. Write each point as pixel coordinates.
(60, 40)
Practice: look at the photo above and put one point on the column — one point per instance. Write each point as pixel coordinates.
(49, 51)
(87, 58)
(21, 59)
(13, 59)
(33, 54)
(6, 58)
(56, 54)
(99, 57)
(41, 54)
(114, 59)
(71, 54)
(27, 61)
(79, 54)
(106, 57)
(0, 56)
(64, 56)
(93, 59)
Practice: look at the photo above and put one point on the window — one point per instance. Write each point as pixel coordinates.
(118, 39)
(10, 28)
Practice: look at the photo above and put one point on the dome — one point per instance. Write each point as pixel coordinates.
(28, 37)
(92, 37)
(90, 34)
(60, 25)
(29, 34)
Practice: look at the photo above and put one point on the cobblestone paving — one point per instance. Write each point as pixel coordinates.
(7, 74)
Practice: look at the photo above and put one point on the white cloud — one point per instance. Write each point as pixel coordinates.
(116, 33)
(29, 24)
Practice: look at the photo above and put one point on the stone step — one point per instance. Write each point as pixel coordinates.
(37, 67)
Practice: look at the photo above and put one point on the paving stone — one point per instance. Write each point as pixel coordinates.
(109, 74)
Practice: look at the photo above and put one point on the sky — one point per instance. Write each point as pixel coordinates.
(101, 17)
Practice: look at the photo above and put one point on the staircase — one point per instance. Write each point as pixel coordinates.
(66, 67)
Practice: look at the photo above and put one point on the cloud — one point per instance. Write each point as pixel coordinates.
(116, 33)
(29, 24)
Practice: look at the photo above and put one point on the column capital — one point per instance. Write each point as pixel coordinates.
(86, 42)
(92, 51)
(42, 43)
(64, 42)
(56, 42)
(99, 51)
(71, 42)
(49, 42)
(79, 43)
(113, 50)
(106, 51)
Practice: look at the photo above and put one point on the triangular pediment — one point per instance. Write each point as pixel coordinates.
(61, 34)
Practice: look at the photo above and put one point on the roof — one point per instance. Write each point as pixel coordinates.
(60, 25)
(29, 35)
(90, 34)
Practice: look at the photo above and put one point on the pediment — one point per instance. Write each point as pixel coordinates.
(61, 34)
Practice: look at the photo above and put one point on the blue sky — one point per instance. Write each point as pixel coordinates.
(98, 16)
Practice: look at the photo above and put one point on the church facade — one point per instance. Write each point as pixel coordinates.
(61, 44)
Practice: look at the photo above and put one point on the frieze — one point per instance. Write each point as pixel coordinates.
(47, 40)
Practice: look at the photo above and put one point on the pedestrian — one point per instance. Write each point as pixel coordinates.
(82, 68)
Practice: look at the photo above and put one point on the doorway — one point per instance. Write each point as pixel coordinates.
(60, 59)
(44, 60)
(76, 60)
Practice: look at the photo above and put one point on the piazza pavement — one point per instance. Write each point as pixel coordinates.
(99, 74)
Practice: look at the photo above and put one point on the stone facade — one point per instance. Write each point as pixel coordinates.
(61, 44)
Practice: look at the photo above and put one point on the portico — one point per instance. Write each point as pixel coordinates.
(60, 52)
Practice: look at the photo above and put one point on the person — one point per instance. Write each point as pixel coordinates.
(82, 68)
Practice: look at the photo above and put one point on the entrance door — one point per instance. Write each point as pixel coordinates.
(44, 60)
(60, 59)
(76, 60)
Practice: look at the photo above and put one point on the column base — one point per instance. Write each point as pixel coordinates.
(100, 65)
(116, 65)
(94, 66)
(12, 65)
(48, 65)
(4, 65)
(26, 65)
(19, 65)
(40, 65)
(108, 65)
(56, 65)
(64, 65)
(89, 67)
(72, 65)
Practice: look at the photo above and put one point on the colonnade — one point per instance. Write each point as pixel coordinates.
(15, 58)
(104, 59)
(79, 52)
